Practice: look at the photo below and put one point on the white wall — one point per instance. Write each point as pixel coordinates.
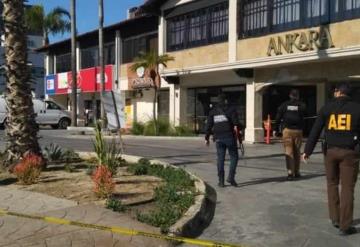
(143, 107)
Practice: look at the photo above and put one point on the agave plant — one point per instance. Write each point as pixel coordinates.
(53, 152)
(108, 155)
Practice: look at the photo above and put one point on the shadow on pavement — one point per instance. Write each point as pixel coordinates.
(277, 180)
(7, 181)
(195, 228)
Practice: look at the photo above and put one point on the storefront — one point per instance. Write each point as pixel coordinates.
(58, 88)
(201, 100)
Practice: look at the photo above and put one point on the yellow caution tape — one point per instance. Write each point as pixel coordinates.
(118, 230)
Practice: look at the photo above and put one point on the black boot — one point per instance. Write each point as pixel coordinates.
(232, 182)
(221, 182)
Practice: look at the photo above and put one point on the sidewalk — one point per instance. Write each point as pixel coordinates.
(27, 232)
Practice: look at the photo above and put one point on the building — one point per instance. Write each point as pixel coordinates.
(252, 50)
(35, 61)
(123, 42)
(255, 51)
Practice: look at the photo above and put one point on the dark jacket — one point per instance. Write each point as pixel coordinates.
(341, 120)
(291, 113)
(221, 122)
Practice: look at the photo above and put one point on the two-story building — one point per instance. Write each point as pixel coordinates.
(124, 41)
(255, 51)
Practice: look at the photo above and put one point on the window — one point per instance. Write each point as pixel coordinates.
(52, 106)
(133, 47)
(258, 17)
(176, 33)
(90, 57)
(63, 63)
(317, 12)
(255, 17)
(351, 8)
(286, 14)
(200, 27)
(109, 53)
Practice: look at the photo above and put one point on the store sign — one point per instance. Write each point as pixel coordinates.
(50, 82)
(142, 83)
(87, 81)
(303, 41)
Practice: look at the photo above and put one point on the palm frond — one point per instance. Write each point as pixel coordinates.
(34, 18)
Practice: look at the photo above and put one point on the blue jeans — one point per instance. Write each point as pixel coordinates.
(221, 146)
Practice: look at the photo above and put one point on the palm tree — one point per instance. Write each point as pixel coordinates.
(55, 22)
(151, 61)
(21, 128)
(73, 65)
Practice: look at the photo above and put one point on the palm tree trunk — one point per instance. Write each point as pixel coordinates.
(21, 128)
(73, 65)
(101, 58)
(154, 111)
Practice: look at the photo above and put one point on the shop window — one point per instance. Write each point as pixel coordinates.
(201, 27)
(63, 63)
(133, 47)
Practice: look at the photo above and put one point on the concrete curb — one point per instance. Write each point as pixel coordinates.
(198, 216)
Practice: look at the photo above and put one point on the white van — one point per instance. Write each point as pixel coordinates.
(47, 113)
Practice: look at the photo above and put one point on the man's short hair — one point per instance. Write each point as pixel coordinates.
(343, 88)
(294, 94)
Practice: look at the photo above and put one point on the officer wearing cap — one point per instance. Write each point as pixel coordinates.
(291, 115)
(222, 122)
(341, 120)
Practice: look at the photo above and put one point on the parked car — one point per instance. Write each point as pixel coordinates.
(47, 113)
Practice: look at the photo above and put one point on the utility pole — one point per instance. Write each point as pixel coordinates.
(101, 59)
(73, 65)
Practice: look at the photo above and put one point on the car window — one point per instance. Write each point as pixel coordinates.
(52, 106)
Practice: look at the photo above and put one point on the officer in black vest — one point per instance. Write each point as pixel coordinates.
(291, 115)
(341, 120)
(223, 122)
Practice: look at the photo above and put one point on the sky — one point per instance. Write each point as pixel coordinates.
(87, 12)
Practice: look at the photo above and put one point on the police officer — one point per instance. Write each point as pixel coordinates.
(341, 120)
(291, 114)
(223, 122)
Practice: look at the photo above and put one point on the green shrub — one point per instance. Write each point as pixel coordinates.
(69, 168)
(184, 130)
(115, 205)
(171, 205)
(70, 156)
(137, 128)
(138, 169)
(172, 199)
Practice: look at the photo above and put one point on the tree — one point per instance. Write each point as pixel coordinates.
(21, 128)
(101, 58)
(73, 65)
(55, 22)
(151, 62)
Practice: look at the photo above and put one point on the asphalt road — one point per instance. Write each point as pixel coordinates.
(265, 210)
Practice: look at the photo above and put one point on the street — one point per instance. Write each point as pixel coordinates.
(264, 210)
